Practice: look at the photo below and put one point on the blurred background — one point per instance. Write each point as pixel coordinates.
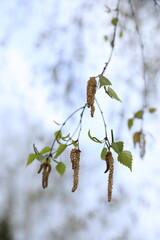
(48, 51)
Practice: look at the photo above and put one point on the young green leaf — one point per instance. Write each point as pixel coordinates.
(35, 149)
(75, 144)
(40, 157)
(45, 150)
(31, 158)
(139, 114)
(152, 110)
(61, 167)
(106, 38)
(125, 157)
(60, 149)
(64, 138)
(58, 135)
(112, 43)
(120, 34)
(113, 94)
(93, 138)
(130, 122)
(117, 146)
(114, 21)
(103, 153)
(103, 81)
(136, 138)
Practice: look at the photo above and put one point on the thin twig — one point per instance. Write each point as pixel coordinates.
(157, 2)
(105, 126)
(80, 123)
(113, 39)
(79, 126)
(142, 53)
(54, 141)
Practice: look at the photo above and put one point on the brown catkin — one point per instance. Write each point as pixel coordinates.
(142, 144)
(41, 167)
(110, 167)
(91, 91)
(45, 174)
(75, 159)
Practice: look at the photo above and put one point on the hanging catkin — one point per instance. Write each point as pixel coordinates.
(110, 166)
(45, 174)
(142, 144)
(75, 159)
(91, 91)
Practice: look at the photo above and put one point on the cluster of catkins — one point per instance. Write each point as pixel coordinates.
(91, 91)
(75, 153)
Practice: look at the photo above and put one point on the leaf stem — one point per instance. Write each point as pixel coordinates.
(105, 125)
(79, 126)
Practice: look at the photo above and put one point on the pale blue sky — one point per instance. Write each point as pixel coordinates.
(27, 111)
